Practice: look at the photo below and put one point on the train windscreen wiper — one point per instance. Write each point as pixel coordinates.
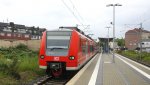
(57, 47)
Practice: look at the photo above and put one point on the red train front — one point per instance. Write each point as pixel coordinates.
(65, 49)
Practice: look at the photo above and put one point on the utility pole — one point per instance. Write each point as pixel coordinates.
(113, 5)
(141, 29)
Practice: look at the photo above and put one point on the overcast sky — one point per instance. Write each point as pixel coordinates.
(51, 14)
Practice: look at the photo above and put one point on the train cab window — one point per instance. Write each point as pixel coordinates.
(58, 43)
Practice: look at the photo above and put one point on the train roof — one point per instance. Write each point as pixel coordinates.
(71, 29)
(77, 29)
(60, 30)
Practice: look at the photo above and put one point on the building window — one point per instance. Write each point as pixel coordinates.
(8, 34)
(34, 36)
(134, 44)
(15, 30)
(26, 36)
(21, 30)
(147, 43)
(30, 31)
(19, 35)
(35, 32)
(130, 44)
(14, 35)
(2, 34)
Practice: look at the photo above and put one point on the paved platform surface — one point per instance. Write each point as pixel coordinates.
(102, 71)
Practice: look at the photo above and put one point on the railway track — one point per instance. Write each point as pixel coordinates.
(56, 82)
(49, 80)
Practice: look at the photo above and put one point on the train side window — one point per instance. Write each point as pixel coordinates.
(83, 46)
(80, 44)
(84, 49)
(91, 48)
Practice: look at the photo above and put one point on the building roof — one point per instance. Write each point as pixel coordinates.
(137, 30)
(20, 26)
(105, 39)
(42, 29)
(2, 24)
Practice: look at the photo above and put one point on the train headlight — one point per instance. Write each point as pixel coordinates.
(71, 57)
(42, 56)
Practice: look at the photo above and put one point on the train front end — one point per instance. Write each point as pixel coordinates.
(56, 53)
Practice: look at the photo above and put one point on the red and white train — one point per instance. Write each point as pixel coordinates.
(66, 49)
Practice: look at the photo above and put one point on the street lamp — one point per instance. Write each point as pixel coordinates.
(113, 5)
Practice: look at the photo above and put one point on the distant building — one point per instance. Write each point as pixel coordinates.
(11, 31)
(133, 38)
(145, 45)
(115, 45)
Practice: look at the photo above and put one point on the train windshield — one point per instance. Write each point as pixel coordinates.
(58, 43)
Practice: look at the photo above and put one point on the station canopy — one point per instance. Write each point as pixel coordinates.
(105, 39)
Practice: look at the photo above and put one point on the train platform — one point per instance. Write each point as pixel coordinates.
(101, 70)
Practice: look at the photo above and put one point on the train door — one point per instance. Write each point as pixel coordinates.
(86, 49)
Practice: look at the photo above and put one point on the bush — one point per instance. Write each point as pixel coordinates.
(15, 61)
(146, 60)
(22, 47)
(28, 63)
(131, 54)
(13, 67)
(9, 67)
(135, 55)
(3, 66)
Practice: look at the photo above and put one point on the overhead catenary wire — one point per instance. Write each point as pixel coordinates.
(73, 13)
(81, 18)
(76, 10)
(137, 25)
(132, 25)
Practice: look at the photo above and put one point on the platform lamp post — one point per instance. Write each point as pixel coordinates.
(113, 5)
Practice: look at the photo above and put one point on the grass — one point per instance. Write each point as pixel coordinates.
(7, 80)
(28, 64)
(19, 65)
(135, 55)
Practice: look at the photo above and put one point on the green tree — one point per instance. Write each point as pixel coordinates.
(121, 42)
(12, 25)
